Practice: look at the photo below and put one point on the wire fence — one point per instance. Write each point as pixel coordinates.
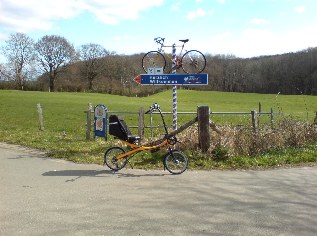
(236, 133)
(249, 120)
(151, 124)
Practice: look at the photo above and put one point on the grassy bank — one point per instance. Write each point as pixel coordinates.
(65, 130)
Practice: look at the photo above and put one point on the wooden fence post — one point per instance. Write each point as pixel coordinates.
(88, 121)
(259, 113)
(271, 116)
(203, 127)
(254, 115)
(141, 123)
(40, 111)
(315, 119)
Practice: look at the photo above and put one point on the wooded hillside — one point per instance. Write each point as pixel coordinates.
(94, 69)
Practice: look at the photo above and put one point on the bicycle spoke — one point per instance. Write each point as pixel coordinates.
(111, 161)
(153, 59)
(175, 162)
(193, 62)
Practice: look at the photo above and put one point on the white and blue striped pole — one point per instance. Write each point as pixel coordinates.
(174, 67)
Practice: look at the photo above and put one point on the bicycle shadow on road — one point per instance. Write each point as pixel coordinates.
(133, 175)
(98, 173)
(76, 173)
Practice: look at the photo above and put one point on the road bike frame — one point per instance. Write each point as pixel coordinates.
(160, 41)
(191, 61)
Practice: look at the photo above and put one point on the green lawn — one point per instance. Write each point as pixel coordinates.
(64, 117)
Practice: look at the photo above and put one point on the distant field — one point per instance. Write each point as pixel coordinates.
(70, 104)
(65, 111)
(64, 117)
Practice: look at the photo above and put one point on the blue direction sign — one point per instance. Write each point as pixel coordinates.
(172, 79)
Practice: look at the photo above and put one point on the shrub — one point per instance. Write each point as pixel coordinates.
(242, 140)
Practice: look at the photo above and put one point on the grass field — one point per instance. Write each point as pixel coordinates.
(64, 117)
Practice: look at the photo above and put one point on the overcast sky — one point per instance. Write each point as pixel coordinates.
(244, 28)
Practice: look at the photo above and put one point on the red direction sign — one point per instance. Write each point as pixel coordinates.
(172, 79)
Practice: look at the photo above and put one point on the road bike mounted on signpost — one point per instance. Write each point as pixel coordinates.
(116, 157)
(192, 61)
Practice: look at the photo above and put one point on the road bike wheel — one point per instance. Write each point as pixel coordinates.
(175, 162)
(153, 59)
(111, 161)
(193, 62)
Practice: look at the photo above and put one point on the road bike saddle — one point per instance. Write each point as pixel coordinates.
(184, 40)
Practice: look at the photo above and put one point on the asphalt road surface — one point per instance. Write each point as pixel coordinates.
(43, 196)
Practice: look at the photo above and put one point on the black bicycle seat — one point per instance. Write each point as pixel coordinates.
(184, 40)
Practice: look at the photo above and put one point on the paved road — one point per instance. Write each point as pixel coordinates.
(42, 196)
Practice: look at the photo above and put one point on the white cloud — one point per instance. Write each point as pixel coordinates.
(222, 1)
(176, 6)
(255, 42)
(3, 36)
(247, 43)
(299, 38)
(112, 12)
(256, 33)
(124, 37)
(258, 21)
(300, 9)
(197, 13)
(222, 36)
(25, 16)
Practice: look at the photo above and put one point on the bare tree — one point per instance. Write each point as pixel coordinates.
(54, 53)
(3, 73)
(93, 65)
(19, 51)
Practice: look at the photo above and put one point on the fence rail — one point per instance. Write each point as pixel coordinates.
(254, 115)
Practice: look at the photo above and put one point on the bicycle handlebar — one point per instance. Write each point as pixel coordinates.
(159, 40)
(155, 106)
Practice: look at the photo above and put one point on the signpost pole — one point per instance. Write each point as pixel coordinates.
(174, 67)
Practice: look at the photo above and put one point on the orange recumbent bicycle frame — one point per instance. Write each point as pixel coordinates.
(116, 157)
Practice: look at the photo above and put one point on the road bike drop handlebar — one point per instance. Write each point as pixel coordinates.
(159, 40)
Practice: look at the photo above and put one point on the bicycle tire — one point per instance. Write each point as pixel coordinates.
(175, 162)
(153, 59)
(111, 161)
(193, 62)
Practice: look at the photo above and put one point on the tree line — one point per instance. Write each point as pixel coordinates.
(54, 64)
